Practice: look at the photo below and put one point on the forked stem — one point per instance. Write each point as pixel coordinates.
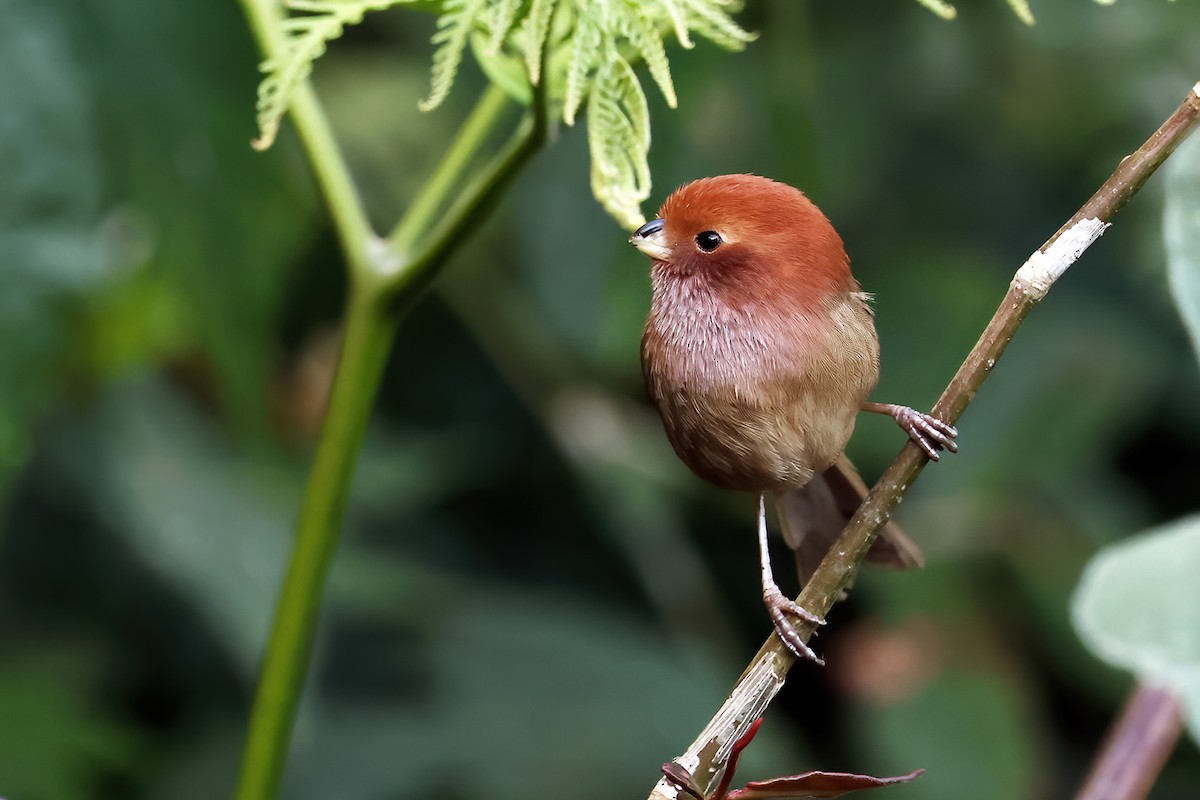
(385, 277)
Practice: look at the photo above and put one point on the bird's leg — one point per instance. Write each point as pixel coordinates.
(930, 433)
(780, 608)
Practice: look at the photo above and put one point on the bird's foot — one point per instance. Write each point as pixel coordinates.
(784, 613)
(930, 433)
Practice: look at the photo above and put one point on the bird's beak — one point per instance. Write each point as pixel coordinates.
(651, 240)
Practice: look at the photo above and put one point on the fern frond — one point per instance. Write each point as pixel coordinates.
(675, 13)
(707, 18)
(940, 8)
(627, 93)
(499, 22)
(306, 37)
(534, 31)
(586, 47)
(1022, 10)
(458, 19)
(642, 32)
(619, 141)
(595, 44)
(604, 33)
(1019, 7)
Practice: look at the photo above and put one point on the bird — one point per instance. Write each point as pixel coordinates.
(759, 351)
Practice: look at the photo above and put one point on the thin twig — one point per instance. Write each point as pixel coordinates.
(473, 203)
(421, 215)
(1137, 747)
(763, 679)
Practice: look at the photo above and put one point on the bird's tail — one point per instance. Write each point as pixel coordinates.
(813, 516)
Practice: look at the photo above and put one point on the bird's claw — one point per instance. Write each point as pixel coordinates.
(783, 612)
(929, 432)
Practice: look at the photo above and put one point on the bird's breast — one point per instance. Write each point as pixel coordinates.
(707, 343)
(756, 396)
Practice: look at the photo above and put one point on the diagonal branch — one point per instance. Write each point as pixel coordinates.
(706, 757)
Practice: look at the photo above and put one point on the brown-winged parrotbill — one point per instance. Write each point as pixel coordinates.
(759, 352)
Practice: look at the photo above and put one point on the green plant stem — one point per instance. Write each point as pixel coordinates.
(422, 213)
(364, 351)
(764, 677)
(328, 165)
(382, 289)
(365, 346)
(471, 205)
(383, 285)
(386, 277)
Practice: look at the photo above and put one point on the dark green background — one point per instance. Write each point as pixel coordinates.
(533, 599)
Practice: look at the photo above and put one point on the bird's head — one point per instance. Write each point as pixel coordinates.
(745, 235)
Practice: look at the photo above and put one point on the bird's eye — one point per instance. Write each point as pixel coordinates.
(708, 241)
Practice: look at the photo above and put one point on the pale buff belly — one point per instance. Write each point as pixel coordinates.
(744, 443)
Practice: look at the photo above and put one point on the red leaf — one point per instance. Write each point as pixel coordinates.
(738, 746)
(815, 784)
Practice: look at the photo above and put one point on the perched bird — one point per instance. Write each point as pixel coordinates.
(759, 352)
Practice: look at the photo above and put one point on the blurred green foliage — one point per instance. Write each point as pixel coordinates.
(532, 592)
(1135, 609)
(1134, 606)
(587, 50)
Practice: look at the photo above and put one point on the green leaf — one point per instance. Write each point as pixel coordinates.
(593, 44)
(619, 141)
(1022, 10)
(213, 524)
(534, 31)
(711, 21)
(642, 32)
(454, 29)
(1136, 606)
(604, 37)
(559, 672)
(1181, 234)
(940, 8)
(214, 529)
(586, 46)
(1019, 7)
(499, 22)
(504, 70)
(55, 740)
(56, 250)
(321, 21)
(210, 282)
(969, 729)
(675, 12)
